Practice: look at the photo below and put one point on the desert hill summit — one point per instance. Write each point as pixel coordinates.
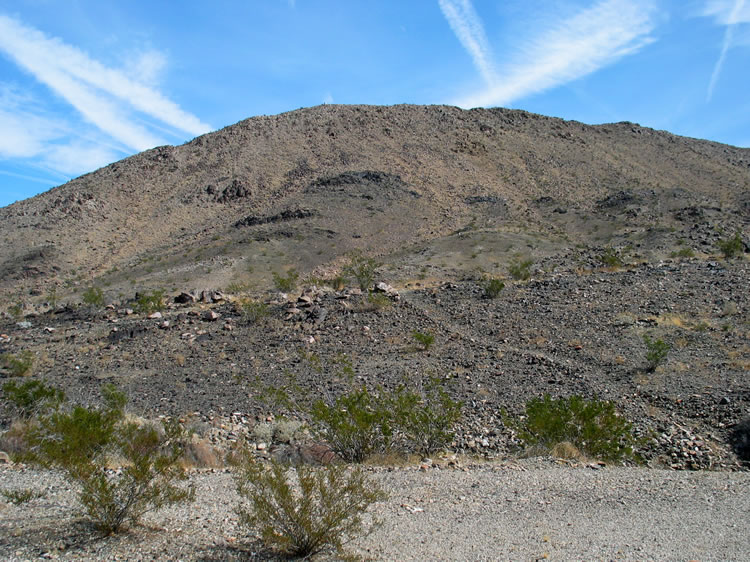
(306, 187)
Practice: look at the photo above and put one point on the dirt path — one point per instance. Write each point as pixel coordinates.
(530, 510)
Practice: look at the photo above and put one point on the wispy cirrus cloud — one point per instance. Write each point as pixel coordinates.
(116, 105)
(568, 50)
(729, 13)
(468, 28)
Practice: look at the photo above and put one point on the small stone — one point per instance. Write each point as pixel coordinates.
(724, 401)
(262, 446)
(210, 316)
(5, 458)
(154, 316)
(24, 325)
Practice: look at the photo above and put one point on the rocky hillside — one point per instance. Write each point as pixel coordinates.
(316, 183)
(601, 234)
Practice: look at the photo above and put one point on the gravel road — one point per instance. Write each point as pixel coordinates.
(525, 510)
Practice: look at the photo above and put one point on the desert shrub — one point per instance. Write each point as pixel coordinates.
(285, 283)
(17, 364)
(337, 283)
(25, 495)
(740, 439)
(356, 425)
(520, 269)
(16, 310)
(424, 419)
(301, 511)
(731, 247)
(31, 397)
(683, 253)
(83, 441)
(373, 302)
(611, 258)
(148, 303)
(656, 351)
(362, 270)
(424, 339)
(93, 297)
(252, 311)
(592, 426)
(492, 287)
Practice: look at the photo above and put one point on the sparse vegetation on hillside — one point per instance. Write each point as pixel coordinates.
(285, 283)
(732, 247)
(93, 297)
(424, 339)
(17, 364)
(520, 269)
(148, 303)
(362, 270)
(31, 397)
(656, 351)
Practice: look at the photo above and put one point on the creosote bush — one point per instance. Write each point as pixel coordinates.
(492, 287)
(361, 423)
(731, 247)
(656, 351)
(424, 339)
(252, 311)
(611, 258)
(31, 397)
(357, 424)
(148, 303)
(285, 283)
(83, 441)
(17, 365)
(592, 426)
(25, 495)
(301, 511)
(362, 270)
(520, 269)
(93, 297)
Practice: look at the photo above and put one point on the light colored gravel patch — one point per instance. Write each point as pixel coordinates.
(524, 511)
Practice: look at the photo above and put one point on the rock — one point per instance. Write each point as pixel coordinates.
(724, 401)
(184, 298)
(24, 325)
(154, 316)
(210, 316)
(5, 458)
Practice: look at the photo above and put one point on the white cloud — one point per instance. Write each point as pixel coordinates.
(574, 47)
(104, 96)
(468, 28)
(729, 13)
(77, 158)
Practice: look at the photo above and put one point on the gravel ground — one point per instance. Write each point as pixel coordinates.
(525, 510)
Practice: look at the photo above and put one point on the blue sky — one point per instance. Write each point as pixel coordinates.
(85, 83)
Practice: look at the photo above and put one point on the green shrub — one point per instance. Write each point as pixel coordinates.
(425, 340)
(732, 247)
(18, 365)
(683, 253)
(426, 419)
(252, 311)
(148, 303)
(492, 287)
(362, 270)
(18, 497)
(16, 311)
(301, 516)
(356, 426)
(31, 397)
(285, 284)
(611, 258)
(656, 351)
(82, 442)
(520, 269)
(592, 426)
(93, 297)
